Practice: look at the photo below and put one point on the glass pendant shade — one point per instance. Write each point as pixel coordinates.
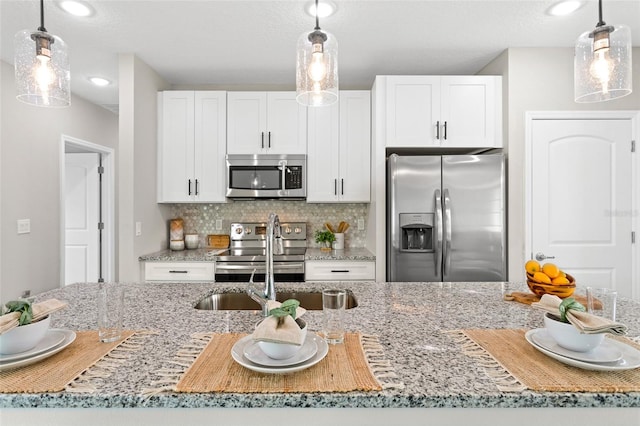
(317, 69)
(602, 64)
(42, 69)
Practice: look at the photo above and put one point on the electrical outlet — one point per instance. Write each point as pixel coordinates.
(24, 226)
(138, 229)
(218, 224)
(360, 224)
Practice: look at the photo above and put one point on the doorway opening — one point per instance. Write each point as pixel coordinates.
(87, 211)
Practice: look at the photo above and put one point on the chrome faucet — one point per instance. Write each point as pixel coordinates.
(274, 246)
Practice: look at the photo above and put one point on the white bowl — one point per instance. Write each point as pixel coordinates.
(567, 336)
(23, 337)
(283, 350)
(191, 241)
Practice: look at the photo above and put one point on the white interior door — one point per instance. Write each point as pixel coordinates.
(581, 199)
(81, 217)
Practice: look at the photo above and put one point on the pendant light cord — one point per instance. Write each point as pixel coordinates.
(42, 28)
(600, 22)
(317, 20)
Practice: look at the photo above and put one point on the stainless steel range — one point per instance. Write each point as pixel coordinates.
(247, 252)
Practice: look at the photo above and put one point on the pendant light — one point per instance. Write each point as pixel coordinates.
(602, 63)
(317, 67)
(42, 67)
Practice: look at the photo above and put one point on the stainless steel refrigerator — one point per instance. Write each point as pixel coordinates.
(446, 218)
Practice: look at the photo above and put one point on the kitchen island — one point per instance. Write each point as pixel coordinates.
(412, 321)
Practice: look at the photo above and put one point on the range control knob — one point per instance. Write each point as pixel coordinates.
(238, 230)
(247, 231)
(297, 230)
(287, 230)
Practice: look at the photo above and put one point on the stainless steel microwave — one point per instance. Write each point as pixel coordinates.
(266, 176)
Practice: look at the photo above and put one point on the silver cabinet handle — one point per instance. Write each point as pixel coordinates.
(541, 256)
(438, 247)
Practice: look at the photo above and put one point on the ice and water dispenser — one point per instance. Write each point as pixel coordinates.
(417, 232)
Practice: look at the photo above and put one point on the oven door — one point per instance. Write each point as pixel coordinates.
(241, 271)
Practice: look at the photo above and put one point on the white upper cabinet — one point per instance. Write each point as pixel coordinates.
(443, 111)
(266, 123)
(339, 150)
(191, 146)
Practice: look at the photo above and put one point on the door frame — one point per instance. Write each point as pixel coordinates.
(632, 115)
(108, 203)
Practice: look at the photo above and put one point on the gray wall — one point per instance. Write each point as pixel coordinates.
(137, 178)
(30, 146)
(538, 79)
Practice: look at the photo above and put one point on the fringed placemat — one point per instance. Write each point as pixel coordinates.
(206, 365)
(515, 365)
(76, 367)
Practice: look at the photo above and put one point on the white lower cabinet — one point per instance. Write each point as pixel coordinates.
(340, 270)
(179, 271)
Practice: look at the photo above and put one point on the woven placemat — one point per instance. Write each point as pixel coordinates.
(516, 365)
(345, 368)
(57, 372)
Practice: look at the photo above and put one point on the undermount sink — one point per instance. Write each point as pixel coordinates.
(311, 301)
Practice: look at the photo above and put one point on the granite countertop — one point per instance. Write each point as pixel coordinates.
(208, 254)
(410, 320)
(349, 253)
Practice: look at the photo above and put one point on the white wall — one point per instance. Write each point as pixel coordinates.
(538, 79)
(30, 182)
(139, 85)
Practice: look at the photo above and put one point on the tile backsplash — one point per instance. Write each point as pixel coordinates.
(201, 218)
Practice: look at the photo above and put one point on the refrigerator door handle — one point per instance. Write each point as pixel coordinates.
(446, 248)
(438, 245)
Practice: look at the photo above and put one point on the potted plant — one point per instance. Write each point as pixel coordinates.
(325, 238)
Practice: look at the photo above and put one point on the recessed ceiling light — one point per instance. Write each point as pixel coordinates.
(76, 8)
(99, 81)
(325, 8)
(564, 8)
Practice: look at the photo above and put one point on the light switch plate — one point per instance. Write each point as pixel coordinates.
(218, 224)
(360, 224)
(138, 229)
(24, 226)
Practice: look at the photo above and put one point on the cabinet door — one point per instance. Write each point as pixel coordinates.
(246, 122)
(323, 153)
(355, 146)
(413, 106)
(286, 124)
(210, 146)
(175, 146)
(471, 112)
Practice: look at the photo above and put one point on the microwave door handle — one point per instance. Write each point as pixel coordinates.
(447, 233)
(438, 247)
(283, 167)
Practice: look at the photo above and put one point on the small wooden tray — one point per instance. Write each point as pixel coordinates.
(529, 298)
(218, 241)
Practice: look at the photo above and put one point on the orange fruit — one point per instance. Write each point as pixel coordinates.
(541, 277)
(560, 280)
(551, 270)
(532, 267)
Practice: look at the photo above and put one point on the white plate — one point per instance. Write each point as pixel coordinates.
(237, 352)
(69, 337)
(605, 352)
(51, 338)
(254, 354)
(630, 356)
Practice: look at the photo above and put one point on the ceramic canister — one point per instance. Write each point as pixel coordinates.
(176, 229)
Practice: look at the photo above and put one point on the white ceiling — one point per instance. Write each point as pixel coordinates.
(251, 44)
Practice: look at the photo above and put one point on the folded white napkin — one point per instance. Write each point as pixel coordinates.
(288, 332)
(40, 311)
(585, 322)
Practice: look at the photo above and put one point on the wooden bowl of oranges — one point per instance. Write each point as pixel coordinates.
(549, 279)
